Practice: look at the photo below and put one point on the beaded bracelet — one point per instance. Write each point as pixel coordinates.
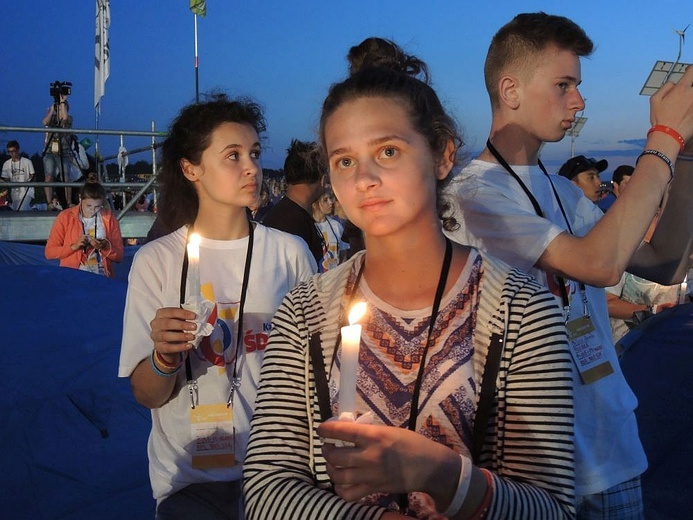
(662, 157)
(158, 371)
(462, 487)
(670, 132)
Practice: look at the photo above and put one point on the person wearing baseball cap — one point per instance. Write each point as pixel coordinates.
(584, 173)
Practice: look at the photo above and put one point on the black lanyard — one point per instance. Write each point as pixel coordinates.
(235, 381)
(539, 212)
(414, 410)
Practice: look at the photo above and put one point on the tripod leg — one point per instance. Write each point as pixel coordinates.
(48, 168)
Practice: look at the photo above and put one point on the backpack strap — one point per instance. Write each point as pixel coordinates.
(321, 389)
(488, 388)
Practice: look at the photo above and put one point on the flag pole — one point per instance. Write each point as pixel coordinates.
(197, 67)
(197, 7)
(102, 64)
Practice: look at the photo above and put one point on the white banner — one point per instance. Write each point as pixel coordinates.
(102, 61)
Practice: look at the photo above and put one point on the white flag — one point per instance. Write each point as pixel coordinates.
(102, 62)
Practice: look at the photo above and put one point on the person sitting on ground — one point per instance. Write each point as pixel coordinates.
(433, 307)
(293, 213)
(87, 236)
(584, 173)
(18, 169)
(619, 180)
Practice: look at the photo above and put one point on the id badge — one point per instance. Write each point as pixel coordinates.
(212, 431)
(587, 350)
(55, 147)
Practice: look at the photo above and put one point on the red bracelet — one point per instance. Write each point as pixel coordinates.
(482, 511)
(670, 132)
(165, 363)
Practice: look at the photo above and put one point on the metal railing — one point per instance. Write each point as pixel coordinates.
(100, 160)
(111, 187)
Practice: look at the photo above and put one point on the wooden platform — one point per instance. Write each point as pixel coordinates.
(34, 226)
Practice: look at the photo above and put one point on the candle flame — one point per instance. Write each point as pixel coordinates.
(195, 239)
(357, 312)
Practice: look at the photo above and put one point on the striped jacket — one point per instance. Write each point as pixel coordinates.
(529, 440)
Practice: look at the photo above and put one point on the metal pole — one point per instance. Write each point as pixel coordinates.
(154, 169)
(197, 68)
(138, 133)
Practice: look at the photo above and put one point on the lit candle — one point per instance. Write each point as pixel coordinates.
(349, 361)
(193, 281)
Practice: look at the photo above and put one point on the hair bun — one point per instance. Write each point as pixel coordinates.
(377, 52)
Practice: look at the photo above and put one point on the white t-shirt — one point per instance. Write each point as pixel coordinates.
(495, 215)
(19, 171)
(93, 227)
(331, 230)
(279, 262)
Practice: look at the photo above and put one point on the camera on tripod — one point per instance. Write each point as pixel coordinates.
(60, 88)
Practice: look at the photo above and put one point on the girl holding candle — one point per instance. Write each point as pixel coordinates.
(434, 309)
(201, 391)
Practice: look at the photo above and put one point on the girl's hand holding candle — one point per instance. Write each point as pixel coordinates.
(204, 309)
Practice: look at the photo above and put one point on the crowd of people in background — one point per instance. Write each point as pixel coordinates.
(495, 294)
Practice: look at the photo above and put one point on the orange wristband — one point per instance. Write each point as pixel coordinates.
(670, 132)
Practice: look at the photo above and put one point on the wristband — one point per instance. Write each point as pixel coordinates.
(482, 510)
(158, 371)
(663, 157)
(670, 132)
(462, 487)
(165, 363)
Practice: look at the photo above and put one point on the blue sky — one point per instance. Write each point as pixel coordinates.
(285, 55)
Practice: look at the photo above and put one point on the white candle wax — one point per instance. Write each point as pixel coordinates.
(351, 339)
(349, 361)
(193, 281)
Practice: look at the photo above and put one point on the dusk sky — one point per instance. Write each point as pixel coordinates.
(285, 55)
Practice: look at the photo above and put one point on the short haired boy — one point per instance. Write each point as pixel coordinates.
(510, 206)
(584, 173)
(293, 213)
(619, 180)
(18, 169)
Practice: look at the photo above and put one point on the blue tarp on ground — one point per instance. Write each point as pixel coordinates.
(73, 440)
(15, 253)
